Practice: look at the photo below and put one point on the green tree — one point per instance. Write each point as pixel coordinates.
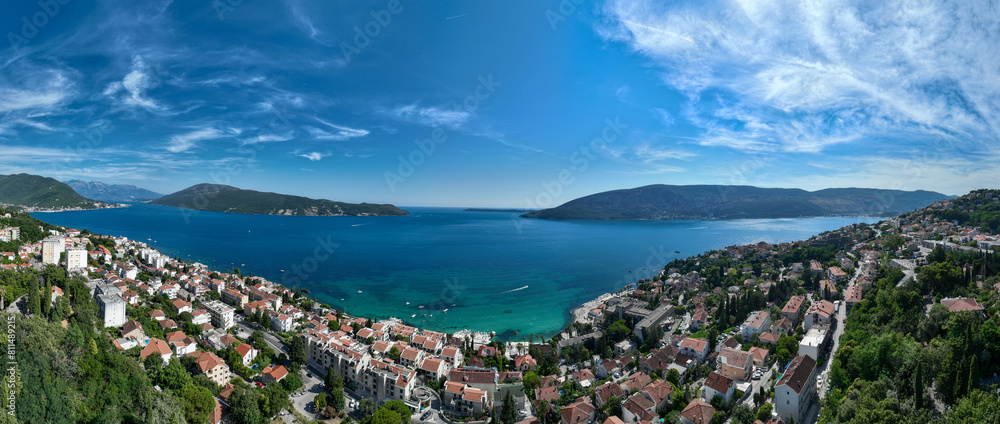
(394, 353)
(257, 340)
(613, 407)
(173, 376)
(34, 300)
(46, 299)
(400, 409)
(335, 385)
(674, 377)
(366, 407)
(508, 412)
(742, 414)
(198, 403)
(276, 400)
(320, 402)
(296, 351)
(245, 409)
(977, 407)
(764, 413)
(531, 380)
(385, 416)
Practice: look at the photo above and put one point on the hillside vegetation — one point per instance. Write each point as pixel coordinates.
(727, 202)
(33, 191)
(223, 198)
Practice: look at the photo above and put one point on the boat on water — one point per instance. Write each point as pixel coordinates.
(282, 270)
(359, 291)
(407, 303)
(445, 310)
(413, 316)
(420, 307)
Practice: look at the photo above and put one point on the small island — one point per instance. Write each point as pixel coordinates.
(498, 210)
(223, 198)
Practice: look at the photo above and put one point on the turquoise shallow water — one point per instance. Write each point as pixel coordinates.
(493, 271)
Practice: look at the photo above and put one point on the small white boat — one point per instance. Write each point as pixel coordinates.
(407, 303)
(432, 315)
(359, 291)
(413, 316)
(420, 307)
(445, 310)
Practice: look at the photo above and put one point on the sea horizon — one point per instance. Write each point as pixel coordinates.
(491, 271)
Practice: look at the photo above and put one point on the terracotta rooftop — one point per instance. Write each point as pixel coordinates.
(798, 373)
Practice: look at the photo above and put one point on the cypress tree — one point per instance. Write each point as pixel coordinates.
(918, 389)
(34, 300)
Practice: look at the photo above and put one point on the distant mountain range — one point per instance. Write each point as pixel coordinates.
(655, 202)
(37, 192)
(112, 192)
(223, 198)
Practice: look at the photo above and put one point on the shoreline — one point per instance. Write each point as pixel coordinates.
(579, 314)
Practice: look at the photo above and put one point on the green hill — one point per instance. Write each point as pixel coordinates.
(223, 198)
(37, 192)
(728, 202)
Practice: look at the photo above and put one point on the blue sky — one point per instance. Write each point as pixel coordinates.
(502, 103)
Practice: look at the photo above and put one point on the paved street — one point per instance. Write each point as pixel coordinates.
(304, 403)
(755, 385)
(276, 344)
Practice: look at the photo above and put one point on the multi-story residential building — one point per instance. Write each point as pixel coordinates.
(821, 311)
(112, 308)
(795, 389)
(717, 384)
(387, 381)
(76, 259)
(695, 348)
(234, 298)
(793, 308)
(52, 249)
(735, 364)
(758, 322)
(223, 315)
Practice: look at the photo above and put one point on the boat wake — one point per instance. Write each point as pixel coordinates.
(514, 290)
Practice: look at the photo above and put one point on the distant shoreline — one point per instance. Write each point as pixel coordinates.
(72, 209)
(497, 210)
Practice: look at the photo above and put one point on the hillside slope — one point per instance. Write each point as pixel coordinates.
(727, 202)
(112, 192)
(223, 198)
(37, 192)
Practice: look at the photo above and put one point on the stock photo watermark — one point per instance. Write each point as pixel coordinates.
(31, 26)
(580, 160)
(301, 271)
(425, 147)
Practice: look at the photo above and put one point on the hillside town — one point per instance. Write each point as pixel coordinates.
(747, 333)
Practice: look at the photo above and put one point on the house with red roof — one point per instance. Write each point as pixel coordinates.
(717, 384)
(695, 348)
(212, 366)
(794, 391)
(697, 412)
(273, 374)
(157, 347)
(247, 353)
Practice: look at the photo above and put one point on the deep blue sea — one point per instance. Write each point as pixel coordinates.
(492, 271)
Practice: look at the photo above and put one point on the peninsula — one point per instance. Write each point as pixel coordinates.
(224, 198)
(656, 202)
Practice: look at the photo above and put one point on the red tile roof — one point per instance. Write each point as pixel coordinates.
(698, 412)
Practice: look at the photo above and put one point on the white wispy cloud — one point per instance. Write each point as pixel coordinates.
(134, 86)
(313, 156)
(266, 138)
(184, 142)
(339, 133)
(49, 90)
(803, 76)
(431, 116)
